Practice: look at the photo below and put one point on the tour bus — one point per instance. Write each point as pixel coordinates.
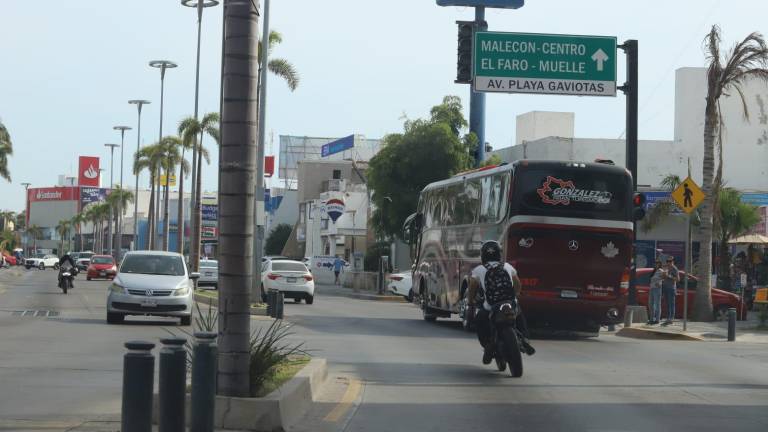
(565, 226)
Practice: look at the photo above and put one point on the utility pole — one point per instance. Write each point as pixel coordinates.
(630, 91)
(260, 213)
(477, 100)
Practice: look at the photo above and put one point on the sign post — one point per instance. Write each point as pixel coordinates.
(688, 196)
(544, 64)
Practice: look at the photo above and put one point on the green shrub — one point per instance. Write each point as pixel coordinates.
(269, 349)
(373, 254)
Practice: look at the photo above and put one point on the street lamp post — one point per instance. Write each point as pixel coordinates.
(111, 186)
(162, 65)
(194, 254)
(26, 216)
(139, 103)
(120, 209)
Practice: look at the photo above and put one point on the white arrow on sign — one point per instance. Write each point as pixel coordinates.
(599, 56)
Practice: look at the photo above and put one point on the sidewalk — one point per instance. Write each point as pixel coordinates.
(746, 331)
(352, 293)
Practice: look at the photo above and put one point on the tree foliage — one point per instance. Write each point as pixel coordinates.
(6, 150)
(276, 239)
(733, 219)
(426, 151)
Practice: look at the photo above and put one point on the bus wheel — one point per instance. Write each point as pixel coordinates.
(426, 311)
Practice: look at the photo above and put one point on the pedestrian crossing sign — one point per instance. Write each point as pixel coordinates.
(688, 195)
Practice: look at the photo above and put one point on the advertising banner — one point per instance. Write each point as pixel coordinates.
(90, 195)
(88, 172)
(645, 252)
(210, 212)
(674, 248)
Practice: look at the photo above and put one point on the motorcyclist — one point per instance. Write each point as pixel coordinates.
(490, 255)
(67, 263)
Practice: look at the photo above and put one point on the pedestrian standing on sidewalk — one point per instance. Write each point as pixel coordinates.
(654, 294)
(338, 264)
(670, 277)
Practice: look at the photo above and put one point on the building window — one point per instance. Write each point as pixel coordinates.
(302, 211)
(337, 174)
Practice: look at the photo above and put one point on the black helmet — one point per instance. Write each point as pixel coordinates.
(490, 251)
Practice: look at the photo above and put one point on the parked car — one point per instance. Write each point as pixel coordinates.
(83, 260)
(101, 267)
(42, 261)
(8, 260)
(721, 300)
(272, 257)
(209, 273)
(400, 284)
(292, 278)
(152, 283)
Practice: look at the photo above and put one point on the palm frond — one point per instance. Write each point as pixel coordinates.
(285, 70)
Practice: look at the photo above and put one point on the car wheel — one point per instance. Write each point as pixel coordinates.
(115, 318)
(186, 320)
(721, 313)
(41, 266)
(310, 299)
(88, 278)
(28, 267)
(409, 297)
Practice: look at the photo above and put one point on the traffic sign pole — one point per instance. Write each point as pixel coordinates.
(630, 91)
(477, 105)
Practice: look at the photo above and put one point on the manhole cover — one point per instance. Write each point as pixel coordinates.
(40, 313)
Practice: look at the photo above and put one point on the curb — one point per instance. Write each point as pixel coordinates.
(644, 333)
(276, 411)
(376, 297)
(204, 300)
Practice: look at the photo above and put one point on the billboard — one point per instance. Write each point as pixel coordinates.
(504, 4)
(90, 195)
(337, 146)
(88, 171)
(210, 212)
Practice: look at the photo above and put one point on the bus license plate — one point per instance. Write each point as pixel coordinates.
(569, 294)
(291, 280)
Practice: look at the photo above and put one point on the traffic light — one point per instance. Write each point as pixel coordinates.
(464, 58)
(638, 204)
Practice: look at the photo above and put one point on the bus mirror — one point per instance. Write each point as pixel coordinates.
(638, 206)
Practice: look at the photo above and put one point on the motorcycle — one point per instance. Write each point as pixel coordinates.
(507, 339)
(66, 277)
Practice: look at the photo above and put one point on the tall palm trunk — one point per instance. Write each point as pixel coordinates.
(194, 249)
(237, 176)
(166, 224)
(703, 303)
(151, 212)
(194, 227)
(180, 212)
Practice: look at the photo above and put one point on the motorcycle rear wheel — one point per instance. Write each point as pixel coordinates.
(511, 350)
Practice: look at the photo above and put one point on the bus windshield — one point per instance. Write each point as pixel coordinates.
(572, 192)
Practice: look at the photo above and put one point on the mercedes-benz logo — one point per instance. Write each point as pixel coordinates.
(573, 245)
(148, 293)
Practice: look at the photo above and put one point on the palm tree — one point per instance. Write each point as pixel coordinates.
(725, 75)
(7, 216)
(183, 171)
(150, 158)
(7, 241)
(662, 209)
(734, 218)
(6, 149)
(34, 231)
(192, 130)
(279, 66)
(62, 229)
(77, 224)
(169, 147)
(119, 198)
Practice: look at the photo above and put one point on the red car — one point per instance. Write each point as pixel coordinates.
(721, 300)
(9, 259)
(101, 267)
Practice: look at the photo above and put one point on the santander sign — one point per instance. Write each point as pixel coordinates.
(88, 173)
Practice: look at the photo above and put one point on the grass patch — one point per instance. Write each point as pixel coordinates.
(281, 374)
(208, 293)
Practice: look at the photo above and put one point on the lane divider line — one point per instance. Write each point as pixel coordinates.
(349, 398)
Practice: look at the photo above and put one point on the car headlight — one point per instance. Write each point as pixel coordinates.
(117, 288)
(181, 291)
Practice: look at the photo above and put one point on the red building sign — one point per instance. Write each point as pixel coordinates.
(53, 194)
(88, 173)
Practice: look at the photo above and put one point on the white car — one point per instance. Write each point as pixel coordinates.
(400, 284)
(209, 273)
(292, 278)
(42, 261)
(151, 283)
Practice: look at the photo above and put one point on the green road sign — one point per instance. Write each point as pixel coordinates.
(545, 63)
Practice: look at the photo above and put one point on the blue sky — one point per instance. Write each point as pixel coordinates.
(69, 68)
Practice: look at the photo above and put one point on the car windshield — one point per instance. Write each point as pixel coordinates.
(209, 264)
(39, 256)
(102, 260)
(82, 255)
(288, 266)
(153, 264)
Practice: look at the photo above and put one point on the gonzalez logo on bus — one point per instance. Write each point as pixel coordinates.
(555, 191)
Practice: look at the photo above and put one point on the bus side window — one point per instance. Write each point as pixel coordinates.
(492, 198)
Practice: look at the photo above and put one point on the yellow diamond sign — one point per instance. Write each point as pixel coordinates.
(688, 195)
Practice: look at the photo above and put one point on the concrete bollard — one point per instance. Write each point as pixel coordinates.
(628, 315)
(731, 324)
(173, 383)
(138, 384)
(271, 302)
(203, 382)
